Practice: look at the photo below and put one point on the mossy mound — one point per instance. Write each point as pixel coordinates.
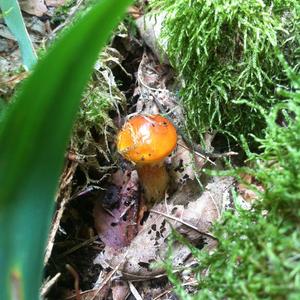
(225, 51)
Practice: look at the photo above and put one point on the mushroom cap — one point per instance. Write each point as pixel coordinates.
(147, 139)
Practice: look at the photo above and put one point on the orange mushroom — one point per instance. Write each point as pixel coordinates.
(146, 140)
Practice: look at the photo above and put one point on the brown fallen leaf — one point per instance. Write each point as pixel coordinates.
(134, 12)
(34, 7)
(244, 190)
(116, 215)
(185, 163)
(120, 290)
(55, 3)
(193, 220)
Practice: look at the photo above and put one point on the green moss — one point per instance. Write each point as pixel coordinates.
(257, 258)
(101, 98)
(61, 12)
(258, 252)
(225, 51)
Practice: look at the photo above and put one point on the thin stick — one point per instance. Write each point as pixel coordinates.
(170, 290)
(214, 201)
(48, 284)
(108, 277)
(126, 210)
(198, 153)
(76, 280)
(78, 246)
(184, 223)
(134, 291)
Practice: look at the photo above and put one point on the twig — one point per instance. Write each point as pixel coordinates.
(170, 290)
(184, 223)
(76, 247)
(198, 153)
(163, 293)
(134, 291)
(126, 210)
(138, 278)
(217, 207)
(54, 229)
(140, 80)
(48, 284)
(109, 276)
(64, 192)
(76, 280)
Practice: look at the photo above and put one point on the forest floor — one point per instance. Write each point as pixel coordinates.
(105, 243)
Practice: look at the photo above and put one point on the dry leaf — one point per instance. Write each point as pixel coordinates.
(116, 214)
(120, 290)
(185, 163)
(33, 7)
(55, 3)
(248, 194)
(150, 244)
(134, 11)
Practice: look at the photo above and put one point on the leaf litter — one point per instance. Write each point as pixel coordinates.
(101, 228)
(191, 218)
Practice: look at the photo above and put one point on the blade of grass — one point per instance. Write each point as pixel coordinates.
(14, 20)
(33, 137)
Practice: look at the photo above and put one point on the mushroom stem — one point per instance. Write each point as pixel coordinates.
(154, 180)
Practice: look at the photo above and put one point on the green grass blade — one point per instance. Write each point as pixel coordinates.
(14, 20)
(33, 137)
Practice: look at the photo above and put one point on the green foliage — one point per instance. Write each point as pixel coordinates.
(61, 12)
(256, 259)
(102, 95)
(71, 11)
(34, 133)
(258, 252)
(277, 167)
(13, 18)
(94, 127)
(225, 51)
